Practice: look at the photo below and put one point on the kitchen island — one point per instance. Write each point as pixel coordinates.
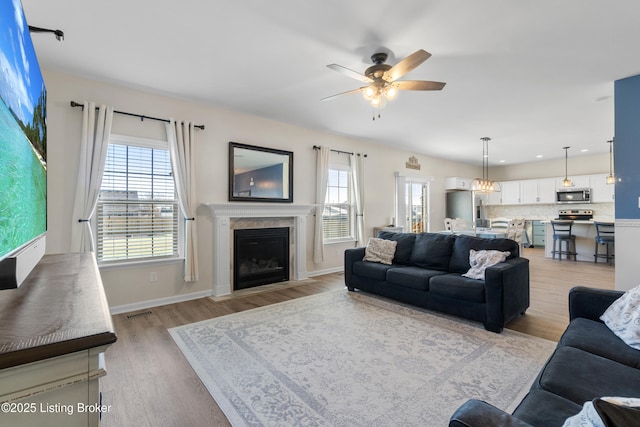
(585, 232)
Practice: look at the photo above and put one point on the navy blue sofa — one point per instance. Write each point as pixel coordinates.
(589, 362)
(427, 272)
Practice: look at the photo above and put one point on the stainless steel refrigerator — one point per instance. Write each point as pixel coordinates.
(466, 205)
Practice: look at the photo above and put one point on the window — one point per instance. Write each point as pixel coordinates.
(337, 218)
(137, 212)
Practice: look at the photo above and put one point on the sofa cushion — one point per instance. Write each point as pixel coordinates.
(404, 247)
(412, 277)
(556, 408)
(463, 244)
(433, 251)
(371, 270)
(580, 376)
(594, 337)
(623, 317)
(457, 287)
(380, 250)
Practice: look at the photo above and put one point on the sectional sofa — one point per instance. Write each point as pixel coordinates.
(590, 362)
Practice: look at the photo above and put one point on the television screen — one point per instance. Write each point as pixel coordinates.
(23, 135)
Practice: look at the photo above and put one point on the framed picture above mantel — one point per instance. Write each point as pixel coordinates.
(260, 174)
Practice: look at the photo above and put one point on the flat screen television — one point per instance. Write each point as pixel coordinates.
(23, 149)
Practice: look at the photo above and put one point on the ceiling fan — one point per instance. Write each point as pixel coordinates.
(383, 84)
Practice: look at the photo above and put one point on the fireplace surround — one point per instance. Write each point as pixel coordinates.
(231, 216)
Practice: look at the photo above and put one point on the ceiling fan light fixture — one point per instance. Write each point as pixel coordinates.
(391, 92)
(382, 79)
(379, 101)
(369, 92)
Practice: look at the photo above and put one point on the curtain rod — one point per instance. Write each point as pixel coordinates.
(77, 104)
(317, 147)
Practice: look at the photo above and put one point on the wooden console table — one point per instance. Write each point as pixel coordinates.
(54, 330)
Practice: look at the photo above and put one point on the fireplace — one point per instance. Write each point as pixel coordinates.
(260, 256)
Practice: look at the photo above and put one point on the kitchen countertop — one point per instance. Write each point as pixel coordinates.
(583, 221)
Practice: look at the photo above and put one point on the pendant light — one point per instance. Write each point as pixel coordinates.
(566, 182)
(484, 184)
(611, 179)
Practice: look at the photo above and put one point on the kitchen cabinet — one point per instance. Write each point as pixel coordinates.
(577, 181)
(494, 198)
(546, 190)
(456, 183)
(511, 194)
(601, 192)
(538, 234)
(538, 191)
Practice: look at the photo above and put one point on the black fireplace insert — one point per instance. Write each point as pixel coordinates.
(260, 256)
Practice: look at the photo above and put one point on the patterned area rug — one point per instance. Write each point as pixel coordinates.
(349, 359)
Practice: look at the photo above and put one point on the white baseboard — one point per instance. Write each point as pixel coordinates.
(326, 271)
(158, 302)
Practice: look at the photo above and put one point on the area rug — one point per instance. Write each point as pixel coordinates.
(349, 359)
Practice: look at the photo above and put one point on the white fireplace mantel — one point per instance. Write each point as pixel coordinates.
(222, 213)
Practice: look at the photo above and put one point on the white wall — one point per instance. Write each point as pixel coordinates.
(131, 287)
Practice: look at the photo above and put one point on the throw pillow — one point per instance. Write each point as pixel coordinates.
(481, 260)
(604, 412)
(623, 317)
(380, 250)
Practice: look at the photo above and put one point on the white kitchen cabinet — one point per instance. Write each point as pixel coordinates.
(601, 192)
(456, 183)
(530, 191)
(577, 181)
(511, 192)
(538, 191)
(494, 198)
(547, 190)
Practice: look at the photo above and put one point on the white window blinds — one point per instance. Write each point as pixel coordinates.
(137, 212)
(338, 212)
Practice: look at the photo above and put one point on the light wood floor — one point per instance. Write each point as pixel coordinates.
(149, 383)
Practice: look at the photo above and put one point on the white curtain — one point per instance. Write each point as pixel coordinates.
(357, 170)
(181, 148)
(322, 179)
(96, 130)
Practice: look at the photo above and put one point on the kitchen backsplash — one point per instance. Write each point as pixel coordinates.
(601, 211)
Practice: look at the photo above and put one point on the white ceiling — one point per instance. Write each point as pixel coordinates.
(535, 76)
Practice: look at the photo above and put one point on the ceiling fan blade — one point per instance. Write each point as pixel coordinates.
(418, 85)
(343, 93)
(406, 65)
(350, 73)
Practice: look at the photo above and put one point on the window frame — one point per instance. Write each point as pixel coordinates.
(350, 204)
(161, 144)
(402, 180)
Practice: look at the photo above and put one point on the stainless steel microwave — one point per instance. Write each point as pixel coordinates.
(573, 195)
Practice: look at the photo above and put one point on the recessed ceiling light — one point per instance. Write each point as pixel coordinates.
(539, 156)
(502, 161)
(584, 150)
